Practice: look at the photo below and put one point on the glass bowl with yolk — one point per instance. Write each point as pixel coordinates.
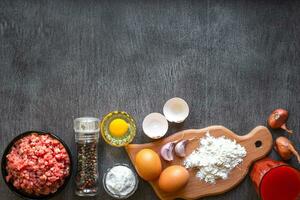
(118, 128)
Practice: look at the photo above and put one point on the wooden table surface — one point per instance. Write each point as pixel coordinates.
(232, 61)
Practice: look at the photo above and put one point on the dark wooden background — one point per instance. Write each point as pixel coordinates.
(232, 61)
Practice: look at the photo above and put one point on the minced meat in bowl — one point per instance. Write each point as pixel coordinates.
(36, 165)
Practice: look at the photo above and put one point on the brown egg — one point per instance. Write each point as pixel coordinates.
(173, 178)
(148, 164)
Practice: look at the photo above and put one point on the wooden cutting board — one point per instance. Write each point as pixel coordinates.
(257, 143)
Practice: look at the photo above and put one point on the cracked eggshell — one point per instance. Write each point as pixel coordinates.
(155, 125)
(176, 110)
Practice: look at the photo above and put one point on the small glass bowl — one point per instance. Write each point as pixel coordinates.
(115, 195)
(118, 141)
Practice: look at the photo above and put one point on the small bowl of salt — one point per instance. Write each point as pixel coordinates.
(120, 181)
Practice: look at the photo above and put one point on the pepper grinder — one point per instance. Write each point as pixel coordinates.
(87, 138)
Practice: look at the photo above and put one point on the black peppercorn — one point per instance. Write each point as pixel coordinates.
(86, 137)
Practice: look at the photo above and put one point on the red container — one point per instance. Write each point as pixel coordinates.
(275, 180)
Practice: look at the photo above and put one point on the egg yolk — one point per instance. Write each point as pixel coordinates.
(118, 127)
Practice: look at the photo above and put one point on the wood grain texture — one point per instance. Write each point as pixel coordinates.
(195, 188)
(232, 61)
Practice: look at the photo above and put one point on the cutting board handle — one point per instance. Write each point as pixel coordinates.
(259, 141)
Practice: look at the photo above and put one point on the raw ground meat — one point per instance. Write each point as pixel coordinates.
(37, 164)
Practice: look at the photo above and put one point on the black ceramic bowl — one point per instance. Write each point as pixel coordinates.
(21, 193)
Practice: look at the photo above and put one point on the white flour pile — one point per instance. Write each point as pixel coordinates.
(215, 158)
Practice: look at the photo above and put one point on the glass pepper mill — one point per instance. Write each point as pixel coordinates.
(86, 138)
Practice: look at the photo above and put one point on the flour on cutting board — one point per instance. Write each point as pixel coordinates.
(215, 158)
